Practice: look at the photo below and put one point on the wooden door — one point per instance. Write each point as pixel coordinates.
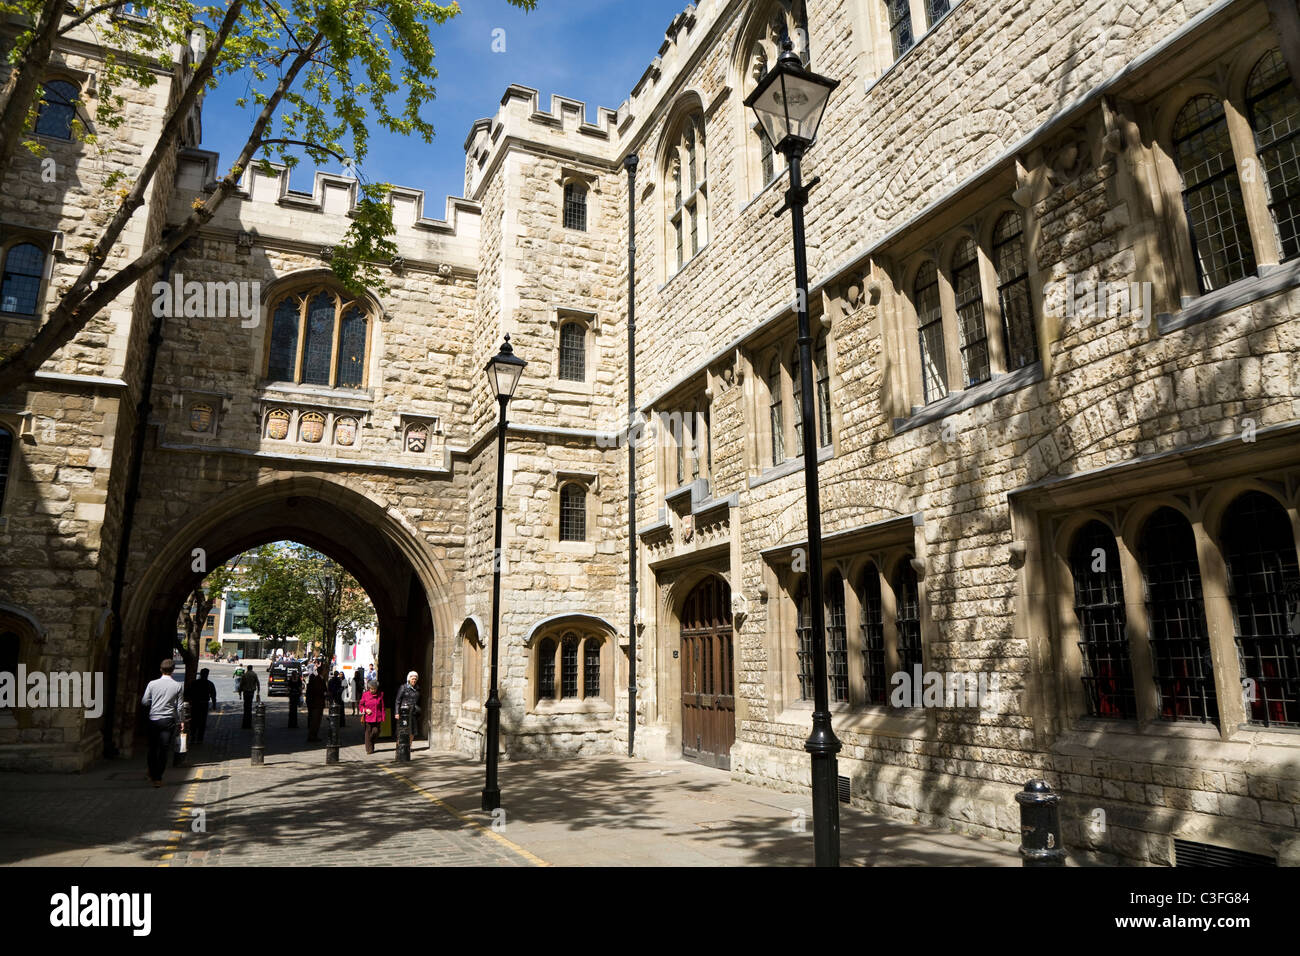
(708, 681)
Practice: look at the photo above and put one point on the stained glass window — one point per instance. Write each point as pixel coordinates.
(352, 350)
(57, 110)
(575, 206)
(907, 601)
(821, 360)
(284, 342)
(318, 345)
(900, 25)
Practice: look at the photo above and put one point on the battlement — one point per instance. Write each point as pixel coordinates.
(260, 201)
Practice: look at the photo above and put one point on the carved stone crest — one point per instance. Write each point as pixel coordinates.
(277, 425)
(345, 432)
(312, 429)
(201, 416)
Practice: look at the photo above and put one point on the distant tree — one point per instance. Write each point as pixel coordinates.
(278, 600)
(198, 605)
(295, 591)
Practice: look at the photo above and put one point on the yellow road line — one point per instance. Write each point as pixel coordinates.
(175, 836)
(530, 857)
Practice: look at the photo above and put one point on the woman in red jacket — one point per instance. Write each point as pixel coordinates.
(372, 713)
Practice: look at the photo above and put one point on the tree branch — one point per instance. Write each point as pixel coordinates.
(78, 21)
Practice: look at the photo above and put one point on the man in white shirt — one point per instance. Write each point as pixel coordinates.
(163, 698)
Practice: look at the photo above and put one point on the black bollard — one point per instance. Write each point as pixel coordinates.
(248, 711)
(1040, 825)
(404, 733)
(257, 755)
(332, 745)
(293, 709)
(178, 758)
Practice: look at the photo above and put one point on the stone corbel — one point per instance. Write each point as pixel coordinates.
(739, 609)
(918, 565)
(1018, 551)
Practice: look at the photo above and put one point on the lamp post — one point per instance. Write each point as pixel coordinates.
(789, 102)
(503, 371)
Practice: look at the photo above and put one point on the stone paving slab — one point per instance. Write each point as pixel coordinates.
(368, 810)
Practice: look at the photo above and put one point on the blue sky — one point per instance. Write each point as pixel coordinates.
(591, 50)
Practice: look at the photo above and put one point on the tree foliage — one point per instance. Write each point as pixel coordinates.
(198, 605)
(294, 591)
(320, 75)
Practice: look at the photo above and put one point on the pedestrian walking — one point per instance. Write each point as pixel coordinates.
(249, 686)
(163, 698)
(358, 690)
(372, 674)
(315, 706)
(201, 693)
(409, 695)
(372, 714)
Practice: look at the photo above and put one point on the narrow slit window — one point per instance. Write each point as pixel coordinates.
(929, 317)
(573, 512)
(546, 670)
(837, 640)
(591, 668)
(575, 206)
(1019, 341)
(569, 666)
(907, 600)
(1274, 112)
(803, 636)
(970, 313)
(776, 418)
(573, 352)
(1099, 607)
(873, 637)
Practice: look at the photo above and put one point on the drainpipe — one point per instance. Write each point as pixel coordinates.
(630, 164)
(142, 411)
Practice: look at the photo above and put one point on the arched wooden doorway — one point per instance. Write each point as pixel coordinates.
(708, 675)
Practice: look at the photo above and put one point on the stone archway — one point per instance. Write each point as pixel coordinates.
(404, 581)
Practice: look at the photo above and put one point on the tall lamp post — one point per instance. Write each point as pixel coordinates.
(789, 102)
(503, 371)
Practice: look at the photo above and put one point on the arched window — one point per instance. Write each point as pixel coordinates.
(796, 395)
(900, 25)
(803, 636)
(591, 667)
(873, 636)
(6, 452)
(929, 321)
(1099, 606)
(546, 669)
(936, 10)
(573, 352)
(822, 362)
(24, 267)
(1180, 641)
(318, 337)
(685, 178)
(472, 683)
(970, 313)
(1265, 587)
(1274, 113)
(1019, 343)
(1216, 209)
(758, 48)
(837, 639)
(573, 512)
(776, 419)
(907, 617)
(575, 206)
(57, 110)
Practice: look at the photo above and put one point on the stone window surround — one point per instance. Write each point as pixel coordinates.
(472, 684)
(590, 483)
(590, 322)
(1226, 82)
(875, 49)
(690, 109)
(84, 81)
(696, 395)
(307, 289)
(601, 706)
(50, 244)
(1046, 517)
(755, 33)
(781, 342)
(941, 251)
(883, 544)
(589, 182)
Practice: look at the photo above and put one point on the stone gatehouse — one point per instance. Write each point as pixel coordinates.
(1055, 265)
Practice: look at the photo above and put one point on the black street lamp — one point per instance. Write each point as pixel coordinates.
(504, 371)
(789, 102)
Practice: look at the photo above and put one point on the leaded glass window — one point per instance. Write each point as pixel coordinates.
(318, 338)
(57, 109)
(284, 342)
(1260, 552)
(1019, 342)
(352, 350)
(970, 313)
(776, 419)
(767, 156)
(319, 341)
(546, 669)
(900, 25)
(907, 606)
(573, 512)
(873, 636)
(837, 639)
(822, 363)
(1274, 113)
(569, 666)
(1216, 209)
(573, 352)
(1099, 607)
(935, 10)
(24, 267)
(575, 206)
(1180, 640)
(591, 668)
(929, 316)
(687, 172)
(796, 393)
(803, 635)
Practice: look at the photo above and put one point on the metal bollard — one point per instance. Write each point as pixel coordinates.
(293, 710)
(248, 712)
(332, 744)
(178, 758)
(257, 755)
(404, 733)
(1040, 825)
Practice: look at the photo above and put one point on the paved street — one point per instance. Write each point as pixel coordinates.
(367, 810)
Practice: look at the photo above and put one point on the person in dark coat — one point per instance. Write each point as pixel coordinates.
(358, 689)
(201, 693)
(336, 694)
(315, 706)
(410, 694)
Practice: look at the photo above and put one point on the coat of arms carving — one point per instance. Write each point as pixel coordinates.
(345, 432)
(312, 429)
(277, 425)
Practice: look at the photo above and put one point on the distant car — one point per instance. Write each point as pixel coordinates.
(277, 682)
